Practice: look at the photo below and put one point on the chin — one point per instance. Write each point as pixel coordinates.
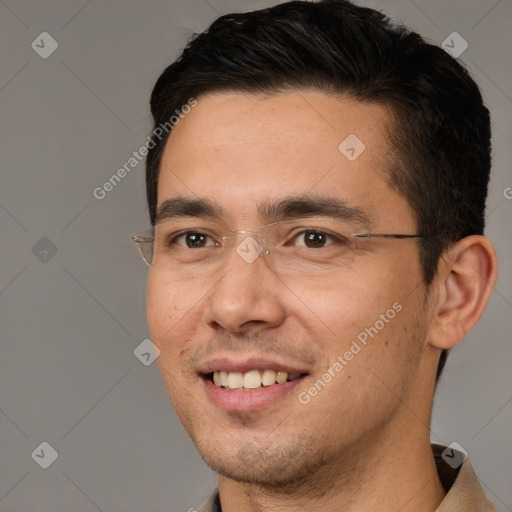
(283, 465)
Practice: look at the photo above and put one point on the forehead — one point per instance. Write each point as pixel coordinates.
(241, 148)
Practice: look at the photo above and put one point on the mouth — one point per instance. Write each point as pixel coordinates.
(251, 385)
(251, 380)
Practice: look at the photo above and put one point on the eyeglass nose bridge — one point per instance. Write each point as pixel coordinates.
(249, 249)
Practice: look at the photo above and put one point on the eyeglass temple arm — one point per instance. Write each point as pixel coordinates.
(385, 235)
(142, 239)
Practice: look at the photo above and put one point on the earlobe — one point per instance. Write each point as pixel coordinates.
(466, 277)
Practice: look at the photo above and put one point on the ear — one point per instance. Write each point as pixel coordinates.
(466, 277)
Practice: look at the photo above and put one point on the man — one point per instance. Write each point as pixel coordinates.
(318, 211)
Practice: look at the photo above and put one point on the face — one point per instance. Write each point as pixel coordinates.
(347, 340)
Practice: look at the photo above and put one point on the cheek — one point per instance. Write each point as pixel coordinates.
(159, 306)
(375, 304)
(353, 298)
(171, 319)
(170, 313)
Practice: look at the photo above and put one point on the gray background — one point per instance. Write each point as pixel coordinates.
(70, 321)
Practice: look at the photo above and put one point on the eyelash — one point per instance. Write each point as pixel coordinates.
(335, 239)
(173, 238)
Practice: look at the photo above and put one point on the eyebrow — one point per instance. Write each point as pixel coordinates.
(312, 206)
(269, 211)
(187, 207)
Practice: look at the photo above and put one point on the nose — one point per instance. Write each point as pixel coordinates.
(248, 295)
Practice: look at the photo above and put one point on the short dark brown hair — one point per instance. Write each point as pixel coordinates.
(440, 140)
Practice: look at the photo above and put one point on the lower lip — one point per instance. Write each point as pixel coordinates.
(245, 401)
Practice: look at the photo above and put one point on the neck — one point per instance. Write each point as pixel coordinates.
(383, 472)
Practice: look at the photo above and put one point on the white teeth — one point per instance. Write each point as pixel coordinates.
(223, 378)
(268, 378)
(281, 377)
(252, 379)
(235, 380)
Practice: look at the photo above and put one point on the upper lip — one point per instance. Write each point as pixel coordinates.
(242, 365)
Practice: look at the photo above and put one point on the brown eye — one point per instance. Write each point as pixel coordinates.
(192, 240)
(314, 239)
(195, 240)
